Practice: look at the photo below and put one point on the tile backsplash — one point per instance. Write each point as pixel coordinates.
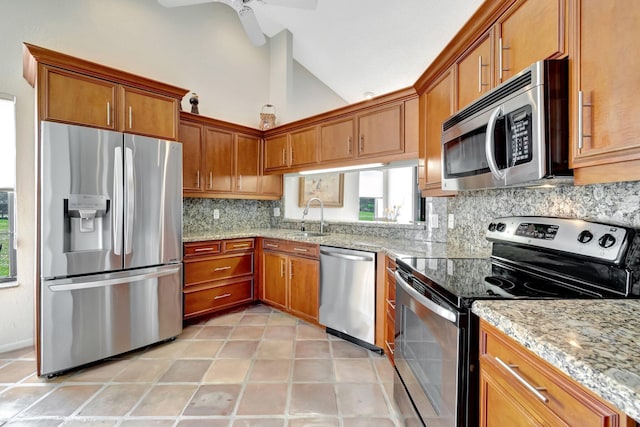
(235, 214)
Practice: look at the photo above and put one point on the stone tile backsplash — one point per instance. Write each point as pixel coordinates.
(235, 214)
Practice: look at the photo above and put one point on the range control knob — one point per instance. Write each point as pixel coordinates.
(501, 226)
(585, 236)
(492, 227)
(607, 241)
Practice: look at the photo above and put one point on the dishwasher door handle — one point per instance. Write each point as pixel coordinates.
(345, 256)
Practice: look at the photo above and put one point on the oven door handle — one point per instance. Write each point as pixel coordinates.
(434, 307)
(489, 144)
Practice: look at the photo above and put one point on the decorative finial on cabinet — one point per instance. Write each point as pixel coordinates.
(194, 101)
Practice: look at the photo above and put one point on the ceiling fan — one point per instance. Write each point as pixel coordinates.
(245, 12)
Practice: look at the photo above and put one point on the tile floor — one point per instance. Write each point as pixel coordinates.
(256, 367)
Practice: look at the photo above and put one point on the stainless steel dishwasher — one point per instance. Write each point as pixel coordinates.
(348, 294)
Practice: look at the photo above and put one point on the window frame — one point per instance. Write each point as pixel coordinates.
(7, 281)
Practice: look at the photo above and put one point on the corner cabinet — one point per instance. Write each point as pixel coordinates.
(604, 82)
(223, 160)
(517, 388)
(290, 278)
(75, 91)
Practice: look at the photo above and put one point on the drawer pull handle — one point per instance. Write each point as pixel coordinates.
(535, 390)
(390, 270)
(391, 303)
(240, 245)
(222, 296)
(203, 249)
(222, 268)
(272, 245)
(301, 250)
(389, 346)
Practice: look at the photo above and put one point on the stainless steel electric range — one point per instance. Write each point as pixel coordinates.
(436, 348)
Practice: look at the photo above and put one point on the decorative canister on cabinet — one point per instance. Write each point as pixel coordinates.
(267, 117)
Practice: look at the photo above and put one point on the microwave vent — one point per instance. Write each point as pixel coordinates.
(501, 92)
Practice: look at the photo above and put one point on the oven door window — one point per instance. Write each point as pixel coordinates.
(466, 156)
(427, 355)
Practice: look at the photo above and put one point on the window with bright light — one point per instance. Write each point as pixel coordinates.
(7, 187)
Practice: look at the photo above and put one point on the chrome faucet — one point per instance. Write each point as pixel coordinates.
(306, 211)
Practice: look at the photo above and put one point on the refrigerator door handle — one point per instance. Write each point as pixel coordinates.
(130, 207)
(116, 212)
(74, 284)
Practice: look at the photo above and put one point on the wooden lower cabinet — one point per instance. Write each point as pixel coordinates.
(290, 278)
(553, 398)
(390, 307)
(218, 274)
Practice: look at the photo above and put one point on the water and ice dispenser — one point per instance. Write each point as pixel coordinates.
(84, 215)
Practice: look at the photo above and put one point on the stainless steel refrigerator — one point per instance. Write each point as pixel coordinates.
(110, 244)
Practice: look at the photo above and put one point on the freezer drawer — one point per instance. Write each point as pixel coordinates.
(89, 318)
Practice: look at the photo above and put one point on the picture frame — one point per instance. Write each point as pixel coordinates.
(327, 187)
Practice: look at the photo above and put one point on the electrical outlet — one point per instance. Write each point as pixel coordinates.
(450, 222)
(216, 214)
(450, 267)
(433, 221)
(276, 211)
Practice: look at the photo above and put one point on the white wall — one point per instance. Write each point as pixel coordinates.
(201, 48)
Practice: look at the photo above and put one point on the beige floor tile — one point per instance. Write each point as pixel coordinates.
(190, 331)
(165, 400)
(282, 319)
(238, 349)
(316, 422)
(16, 399)
(231, 319)
(310, 332)
(315, 349)
(354, 371)
(258, 422)
(260, 309)
(213, 399)
(202, 349)
(34, 423)
(275, 349)
(341, 348)
(227, 371)
(280, 332)
(114, 400)
(88, 422)
(216, 332)
(263, 399)
(204, 422)
(361, 400)
(166, 350)
(313, 370)
(21, 353)
(368, 422)
(384, 368)
(147, 423)
(102, 372)
(16, 371)
(247, 333)
(313, 400)
(270, 370)
(254, 319)
(62, 401)
(186, 371)
(143, 370)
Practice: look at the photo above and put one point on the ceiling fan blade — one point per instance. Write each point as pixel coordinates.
(178, 3)
(300, 4)
(251, 26)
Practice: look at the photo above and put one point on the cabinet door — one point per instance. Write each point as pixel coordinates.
(439, 106)
(274, 279)
(607, 75)
(218, 148)
(247, 158)
(304, 275)
(475, 72)
(336, 140)
(191, 138)
(528, 32)
(74, 98)
(275, 152)
(271, 185)
(304, 147)
(149, 113)
(381, 131)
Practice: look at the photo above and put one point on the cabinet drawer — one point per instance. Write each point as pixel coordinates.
(197, 301)
(201, 248)
(564, 398)
(304, 249)
(218, 268)
(237, 245)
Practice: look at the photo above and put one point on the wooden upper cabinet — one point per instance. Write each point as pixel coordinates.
(149, 113)
(275, 152)
(475, 71)
(437, 106)
(247, 158)
(605, 72)
(76, 98)
(381, 131)
(190, 134)
(337, 140)
(218, 167)
(529, 31)
(303, 147)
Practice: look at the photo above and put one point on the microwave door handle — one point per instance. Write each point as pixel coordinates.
(490, 142)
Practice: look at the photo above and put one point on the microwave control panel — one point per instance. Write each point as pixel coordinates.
(518, 124)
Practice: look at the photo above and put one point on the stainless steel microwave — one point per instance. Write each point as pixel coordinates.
(514, 135)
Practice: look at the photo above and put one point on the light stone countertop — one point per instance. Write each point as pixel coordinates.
(595, 342)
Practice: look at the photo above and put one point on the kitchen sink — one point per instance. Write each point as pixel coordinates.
(308, 234)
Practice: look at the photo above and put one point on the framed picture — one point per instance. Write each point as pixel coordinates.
(328, 187)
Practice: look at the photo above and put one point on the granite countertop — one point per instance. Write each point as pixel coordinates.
(392, 247)
(595, 342)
